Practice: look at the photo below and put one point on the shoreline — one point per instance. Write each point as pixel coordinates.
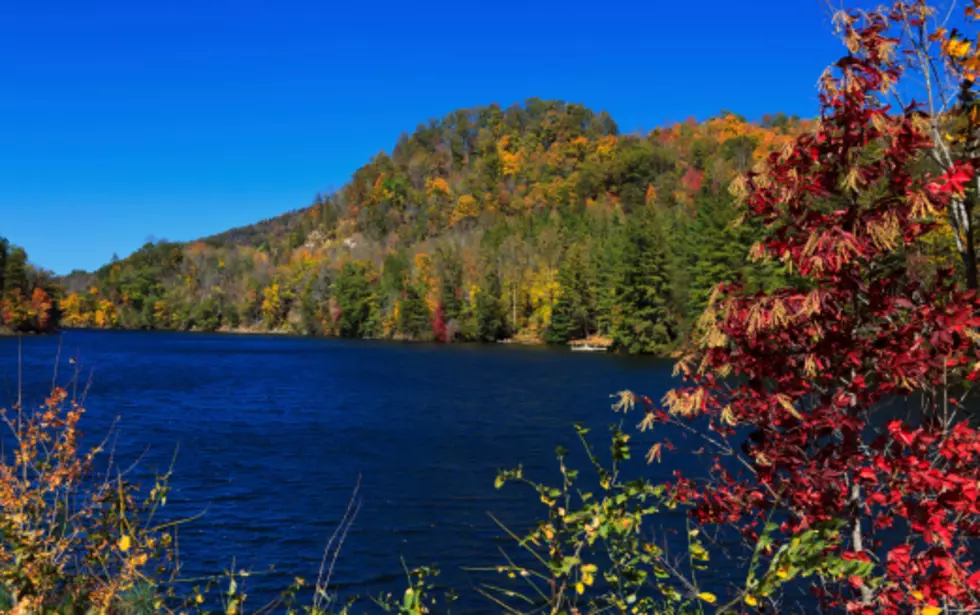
(520, 341)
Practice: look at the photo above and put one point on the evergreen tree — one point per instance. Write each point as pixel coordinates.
(309, 311)
(489, 313)
(230, 315)
(15, 271)
(573, 316)
(451, 278)
(609, 272)
(645, 324)
(4, 250)
(353, 294)
(414, 314)
(720, 250)
(206, 315)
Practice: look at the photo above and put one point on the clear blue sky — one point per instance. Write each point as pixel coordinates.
(125, 120)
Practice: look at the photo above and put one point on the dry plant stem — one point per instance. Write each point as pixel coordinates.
(324, 574)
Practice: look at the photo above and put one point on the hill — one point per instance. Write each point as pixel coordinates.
(538, 221)
(28, 294)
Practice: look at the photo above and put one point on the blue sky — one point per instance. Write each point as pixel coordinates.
(125, 120)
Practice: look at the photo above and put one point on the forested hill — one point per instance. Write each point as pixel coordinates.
(539, 221)
(28, 294)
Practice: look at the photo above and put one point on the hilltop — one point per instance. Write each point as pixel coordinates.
(539, 221)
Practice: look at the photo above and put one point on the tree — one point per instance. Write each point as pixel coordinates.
(489, 312)
(309, 313)
(609, 268)
(645, 324)
(4, 251)
(573, 313)
(75, 314)
(439, 330)
(794, 381)
(947, 64)
(353, 293)
(415, 320)
(15, 271)
(273, 308)
(451, 284)
(720, 246)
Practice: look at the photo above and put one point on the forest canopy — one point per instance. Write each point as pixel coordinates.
(28, 295)
(540, 222)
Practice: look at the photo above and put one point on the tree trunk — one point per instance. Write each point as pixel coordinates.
(857, 540)
(970, 253)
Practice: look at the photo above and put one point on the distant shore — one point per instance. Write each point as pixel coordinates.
(517, 340)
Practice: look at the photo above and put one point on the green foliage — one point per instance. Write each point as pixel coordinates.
(14, 270)
(4, 252)
(646, 323)
(720, 251)
(594, 551)
(415, 317)
(573, 316)
(814, 552)
(353, 292)
(489, 313)
(451, 283)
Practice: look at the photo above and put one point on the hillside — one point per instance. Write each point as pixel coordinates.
(28, 294)
(539, 221)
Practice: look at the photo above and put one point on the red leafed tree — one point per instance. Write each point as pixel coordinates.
(43, 309)
(693, 180)
(804, 380)
(439, 330)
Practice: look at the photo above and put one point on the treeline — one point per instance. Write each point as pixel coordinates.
(539, 222)
(28, 295)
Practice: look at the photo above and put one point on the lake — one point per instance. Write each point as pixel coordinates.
(272, 433)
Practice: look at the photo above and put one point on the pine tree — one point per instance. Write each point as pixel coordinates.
(352, 292)
(4, 250)
(720, 250)
(573, 315)
(646, 324)
(451, 276)
(415, 321)
(309, 311)
(609, 272)
(15, 271)
(489, 314)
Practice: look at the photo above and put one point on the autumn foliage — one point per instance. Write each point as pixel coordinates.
(522, 222)
(27, 304)
(801, 383)
(834, 382)
(71, 538)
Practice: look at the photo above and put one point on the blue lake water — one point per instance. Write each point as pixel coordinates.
(272, 433)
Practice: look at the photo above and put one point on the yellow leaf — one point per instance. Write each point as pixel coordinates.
(125, 543)
(957, 48)
(751, 600)
(787, 405)
(708, 597)
(931, 610)
(580, 588)
(654, 453)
